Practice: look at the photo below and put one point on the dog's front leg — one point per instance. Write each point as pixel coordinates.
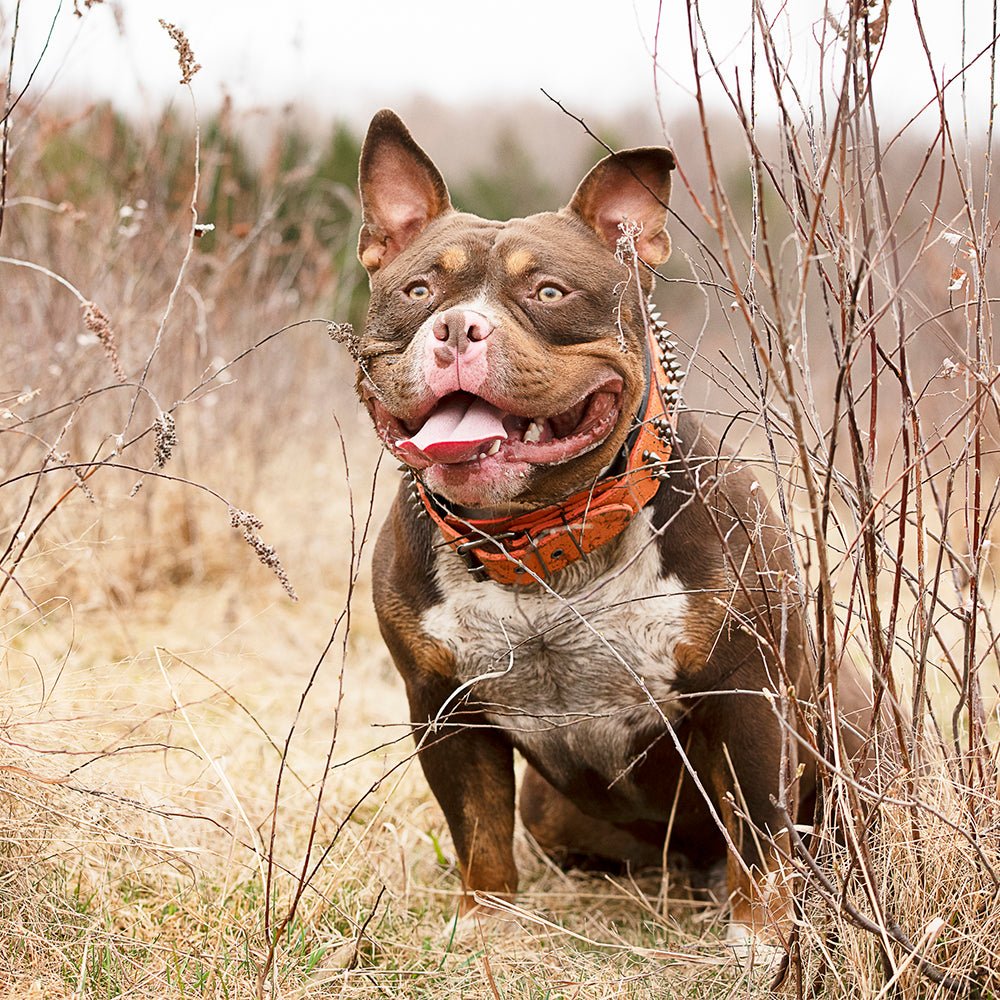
(747, 783)
(468, 763)
(470, 768)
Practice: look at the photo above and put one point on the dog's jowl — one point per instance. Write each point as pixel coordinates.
(571, 570)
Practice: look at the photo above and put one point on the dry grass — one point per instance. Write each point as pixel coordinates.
(208, 790)
(160, 887)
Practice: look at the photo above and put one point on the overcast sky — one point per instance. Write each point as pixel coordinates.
(347, 59)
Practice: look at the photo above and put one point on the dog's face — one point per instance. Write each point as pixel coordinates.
(504, 360)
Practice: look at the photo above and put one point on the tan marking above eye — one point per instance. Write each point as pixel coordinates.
(519, 261)
(453, 258)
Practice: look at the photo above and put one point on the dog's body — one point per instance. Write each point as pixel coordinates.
(503, 362)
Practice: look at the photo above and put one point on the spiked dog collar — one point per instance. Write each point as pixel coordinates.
(531, 547)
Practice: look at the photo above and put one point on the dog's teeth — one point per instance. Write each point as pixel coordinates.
(534, 432)
(493, 449)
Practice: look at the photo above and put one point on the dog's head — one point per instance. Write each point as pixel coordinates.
(505, 360)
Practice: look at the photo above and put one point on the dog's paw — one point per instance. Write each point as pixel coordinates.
(755, 953)
(477, 926)
(460, 931)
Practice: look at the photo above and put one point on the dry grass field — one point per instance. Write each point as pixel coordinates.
(207, 785)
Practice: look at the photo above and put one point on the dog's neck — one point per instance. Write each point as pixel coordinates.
(528, 547)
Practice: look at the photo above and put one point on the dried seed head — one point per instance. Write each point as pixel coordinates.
(625, 247)
(185, 57)
(265, 553)
(626, 255)
(343, 333)
(86, 3)
(166, 439)
(876, 14)
(81, 485)
(244, 519)
(97, 322)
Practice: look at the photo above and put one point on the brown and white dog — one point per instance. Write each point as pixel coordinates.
(613, 612)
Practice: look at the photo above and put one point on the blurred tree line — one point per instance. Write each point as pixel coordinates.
(296, 190)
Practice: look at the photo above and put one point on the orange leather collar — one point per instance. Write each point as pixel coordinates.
(529, 548)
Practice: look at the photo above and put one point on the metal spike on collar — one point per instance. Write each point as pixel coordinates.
(654, 316)
(669, 362)
(414, 499)
(665, 341)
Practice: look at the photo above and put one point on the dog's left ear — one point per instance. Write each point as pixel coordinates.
(401, 191)
(632, 185)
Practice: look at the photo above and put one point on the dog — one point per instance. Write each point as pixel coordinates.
(571, 569)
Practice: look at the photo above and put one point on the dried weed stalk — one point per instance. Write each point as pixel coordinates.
(185, 57)
(165, 430)
(842, 304)
(98, 323)
(250, 525)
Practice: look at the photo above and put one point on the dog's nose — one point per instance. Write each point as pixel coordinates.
(459, 327)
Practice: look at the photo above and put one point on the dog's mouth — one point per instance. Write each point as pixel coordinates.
(464, 428)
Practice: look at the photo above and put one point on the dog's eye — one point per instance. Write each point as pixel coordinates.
(418, 292)
(549, 293)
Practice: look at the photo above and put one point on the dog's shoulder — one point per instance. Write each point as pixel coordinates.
(405, 586)
(714, 509)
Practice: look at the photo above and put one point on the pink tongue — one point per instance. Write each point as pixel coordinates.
(457, 431)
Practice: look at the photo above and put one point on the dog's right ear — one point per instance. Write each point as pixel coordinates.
(401, 191)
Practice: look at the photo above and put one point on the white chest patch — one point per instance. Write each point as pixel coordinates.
(584, 676)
